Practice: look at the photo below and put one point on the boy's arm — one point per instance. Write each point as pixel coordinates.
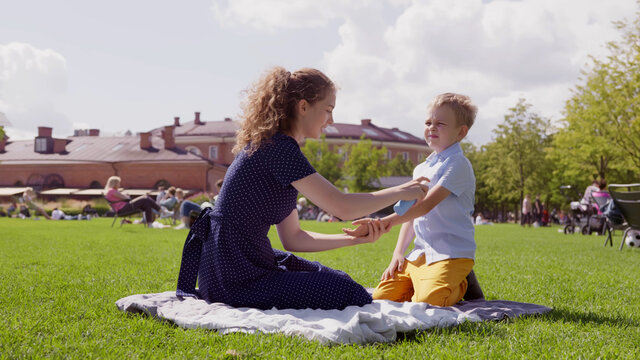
(397, 260)
(422, 207)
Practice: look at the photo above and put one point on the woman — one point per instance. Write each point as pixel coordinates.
(228, 250)
(123, 203)
(29, 197)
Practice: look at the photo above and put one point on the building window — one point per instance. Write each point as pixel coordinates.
(194, 150)
(405, 156)
(370, 132)
(331, 130)
(401, 135)
(389, 155)
(213, 152)
(42, 145)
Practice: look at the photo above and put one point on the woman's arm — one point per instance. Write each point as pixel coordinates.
(350, 206)
(293, 238)
(422, 207)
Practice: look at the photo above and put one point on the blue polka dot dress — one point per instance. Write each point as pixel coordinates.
(229, 253)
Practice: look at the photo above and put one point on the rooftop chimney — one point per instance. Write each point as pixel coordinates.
(145, 140)
(167, 135)
(176, 121)
(94, 132)
(60, 146)
(395, 129)
(197, 120)
(44, 131)
(365, 122)
(227, 119)
(43, 143)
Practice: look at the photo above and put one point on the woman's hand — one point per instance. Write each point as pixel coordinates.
(368, 230)
(414, 189)
(396, 264)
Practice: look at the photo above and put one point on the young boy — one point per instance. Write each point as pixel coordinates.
(439, 268)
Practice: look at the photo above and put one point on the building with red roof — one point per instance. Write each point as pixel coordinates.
(192, 155)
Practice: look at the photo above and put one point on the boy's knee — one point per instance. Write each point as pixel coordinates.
(438, 297)
(391, 293)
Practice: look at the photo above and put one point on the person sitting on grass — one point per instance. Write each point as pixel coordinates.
(190, 209)
(228, 252)
(124, 204)
(171, 202)
(58, 214)
(439, 269)
(28, 198)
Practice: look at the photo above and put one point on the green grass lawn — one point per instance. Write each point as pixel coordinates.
(60, 280)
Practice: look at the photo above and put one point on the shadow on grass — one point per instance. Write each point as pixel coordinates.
(590, 318)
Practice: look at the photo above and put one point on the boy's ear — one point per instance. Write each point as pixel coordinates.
(462, 132)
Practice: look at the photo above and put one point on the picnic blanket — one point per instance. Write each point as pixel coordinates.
(380, 321)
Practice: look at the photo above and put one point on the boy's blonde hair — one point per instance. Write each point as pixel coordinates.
(271, 102)
(113, 182)
(461, 106)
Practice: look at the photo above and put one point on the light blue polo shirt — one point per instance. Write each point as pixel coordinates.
(447, 230)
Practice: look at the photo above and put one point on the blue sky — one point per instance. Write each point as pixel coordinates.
(134, 65)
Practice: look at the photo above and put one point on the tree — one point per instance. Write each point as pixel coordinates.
(602, 128)
(326, 162)
(1, 132)
(365, 165)
(514, 163)
(398, 166)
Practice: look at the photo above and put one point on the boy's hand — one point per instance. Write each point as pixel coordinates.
(396, 264)
(368, 230)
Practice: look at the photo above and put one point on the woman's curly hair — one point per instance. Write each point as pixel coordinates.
(271, 102)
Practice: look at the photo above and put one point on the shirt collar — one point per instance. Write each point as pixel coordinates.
(448, 152)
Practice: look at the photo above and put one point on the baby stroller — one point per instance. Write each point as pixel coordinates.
(580, 213)
(598, 220)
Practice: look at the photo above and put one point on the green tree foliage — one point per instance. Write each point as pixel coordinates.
(514, 163)
(364, 165)
(601, 136)
(398, 166)
(326, 162)
(1, 132)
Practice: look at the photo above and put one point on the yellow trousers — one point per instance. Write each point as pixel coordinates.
(442, 283)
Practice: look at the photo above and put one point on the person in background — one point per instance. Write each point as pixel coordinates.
(13, 207)
(537, 210)
(28, 198)
(527, 209)
(586, 198)
(123, 203)
(161, 194)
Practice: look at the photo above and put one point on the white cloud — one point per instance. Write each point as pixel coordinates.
(496, 52)
(283, 14)
(389, 64)
(31, 81)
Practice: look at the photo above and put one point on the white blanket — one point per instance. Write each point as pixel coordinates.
(380, 321)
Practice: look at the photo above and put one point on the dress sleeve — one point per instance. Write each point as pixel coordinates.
(288, 163)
